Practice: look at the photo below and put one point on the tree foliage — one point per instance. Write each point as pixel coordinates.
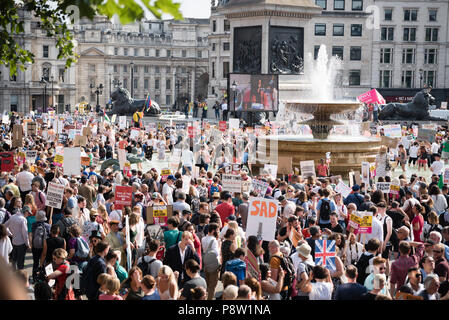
(53, 17)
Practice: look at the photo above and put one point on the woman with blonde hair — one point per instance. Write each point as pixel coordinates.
(103, 218)
(166, 283)
(256, 289)
(131, 288)
(60, 275)
(383, 167)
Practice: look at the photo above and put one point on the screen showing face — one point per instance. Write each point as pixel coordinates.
(254, 92)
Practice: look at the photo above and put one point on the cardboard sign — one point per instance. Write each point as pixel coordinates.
(259, 187)
(159, 215)
(17, 136)
(55, 195)
(234, 124)
(365, 173)
(446, 176)
(272, 170)
(31, 156)
(80, 141)
(232, 183)
(285, 165)
(87, 131)
(85, 161)
(343, 189)
(307, 168)
(252, 266)
(383, 186)
(6, 161)
(123, 195)
(262, 216)
(31, 128)
(222, 126)
(72, 161)
(426, 135)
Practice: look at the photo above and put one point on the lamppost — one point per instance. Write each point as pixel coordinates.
(421, 71)
(177, 83)
(132, 79)
(234, 88)
(52, 96)
(44, 82)
(98, 91)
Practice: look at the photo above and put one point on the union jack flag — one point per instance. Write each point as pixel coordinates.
(325, 254)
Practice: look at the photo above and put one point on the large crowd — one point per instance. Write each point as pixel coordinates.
(184, 236)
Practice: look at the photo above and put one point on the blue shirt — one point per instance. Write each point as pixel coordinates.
(333, 208)
(153, 296)
(350, 291)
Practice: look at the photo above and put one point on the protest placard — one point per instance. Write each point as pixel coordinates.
(164, 174)
(394, 189)
(159, 215)
(31, 128)
(357, 178)
(365, 173)
(343, 189)
(272, 169)
(17, 136)
(262, 216)
(58, 160)
(85, 161)
(446, 176)
(234, 124)
(222, 126)
(55, 195)
(259, 187)
(72, 161)
(307, 168)
(366, 223)
(383, 186)
(252, 266)
(113, 118)
(135, 133)
(122, 122)
(121, 157)
(232, 183)
(123, 195)
(186, 184)
(31, 156)
(6, 161)
(426, 135)
(285, 165)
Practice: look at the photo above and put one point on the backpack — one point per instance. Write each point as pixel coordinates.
(210, 260)
(145, 266)
(394, 236)
(65, 234)
(213, 189)
(362, 268)
(39, 236)
(287, 265)
(444, 219)
(237, 267)
(325, 210)
(82, 248)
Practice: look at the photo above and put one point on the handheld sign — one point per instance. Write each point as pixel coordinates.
(259, 187)
(307, 168)
(383, 186)
(446, 176)
(262, 216)
(72, 161)
(343, 189)
(159, 215)
(55, 194)
(325, 254)
(232, 183)
(123, 196)
(366, 224)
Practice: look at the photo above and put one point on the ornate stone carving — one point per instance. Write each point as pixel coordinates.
(247, 49)
(286, 50)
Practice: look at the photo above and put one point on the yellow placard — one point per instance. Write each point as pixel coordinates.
(160, 212)
(85, 161)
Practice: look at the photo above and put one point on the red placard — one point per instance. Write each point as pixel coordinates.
(6, 161)
(190, 130)
(222, 126)
(123, 196)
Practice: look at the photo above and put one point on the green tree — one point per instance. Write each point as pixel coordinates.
(54, 17)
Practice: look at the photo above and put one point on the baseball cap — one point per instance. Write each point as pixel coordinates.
(154, 195)
(231, 217)
(171, 177)
(355, 187)
(281, 198)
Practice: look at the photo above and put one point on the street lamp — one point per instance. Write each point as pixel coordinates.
(52, 96)
(420, 77)
(98, 91)
(234, 88)
(44, 82)
(132, 79)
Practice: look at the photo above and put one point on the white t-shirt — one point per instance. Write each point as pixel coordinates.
(435, 147)
(321, 291)
(5, 248)
(205, 244)
(437, 167)
(24, 180)
(187, 158)
(224, 106)
(414, 152)
(167, 190)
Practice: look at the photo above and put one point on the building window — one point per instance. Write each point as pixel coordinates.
(337, 51)
(385, 78)
(45, 52)
(167, 84)
(321, 3)
(433, 14)
(225, 69)
(168, 99)
(116, 51)
(157, 53)
(316, 49)
(339, 4)
(226, 46)
(145, 84)
(339, 30)
(14, 102)
(184, 53)
(115, 68)
(136, 69)
(213, 70)
(431, 34)
(135, 83)
(167, 69)
(156, 84)
(125, 83)
(61, 74)
(354, 77)
(408, 56)
(408, 79)
(214, 26)
(386, 55)
(429, 78)
(157, 69)
(146, 69)
(388, 14)
(213, 46)
(356, 53)
(409, 34)
(357, 5)
(125, 51)
(168, 53)
(136, 52)
(410, 14)
(430, 56)
(125, 68)
(320, 29)
(157, 97)
(356, 30)
(387, 34)
(91, 67)
(200, 53)
(147, 52)
(226, 25)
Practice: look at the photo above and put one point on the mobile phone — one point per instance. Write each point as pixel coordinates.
(123, 291)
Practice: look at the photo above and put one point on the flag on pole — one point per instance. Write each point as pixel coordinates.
(106, 118)
(148, 103)
(441, 182)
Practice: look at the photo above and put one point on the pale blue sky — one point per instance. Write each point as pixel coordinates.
(195, 8)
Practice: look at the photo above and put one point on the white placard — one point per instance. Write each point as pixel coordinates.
(262, 216)
(128, 243)
(272, 169)
(31, 156)
(343, 189)
(186, 184)
(72, 161)
(234, 123)
(122, 122)
(260, 187)
(232, 183)
(365, 173)
(55, 195)
(307, 168)
(134, 134)
(383, 186)
(49, 271)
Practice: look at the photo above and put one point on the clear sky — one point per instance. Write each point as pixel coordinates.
(195, 8)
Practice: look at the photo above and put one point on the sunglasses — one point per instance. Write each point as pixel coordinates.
(418, 275)
(437, 251)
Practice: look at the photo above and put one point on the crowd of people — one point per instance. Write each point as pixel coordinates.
(200, 248)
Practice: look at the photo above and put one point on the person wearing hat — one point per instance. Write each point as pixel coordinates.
(92, 225)
(354, 197)
(116, 241)
(303, 263)
(167, 189)
(40, 231)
